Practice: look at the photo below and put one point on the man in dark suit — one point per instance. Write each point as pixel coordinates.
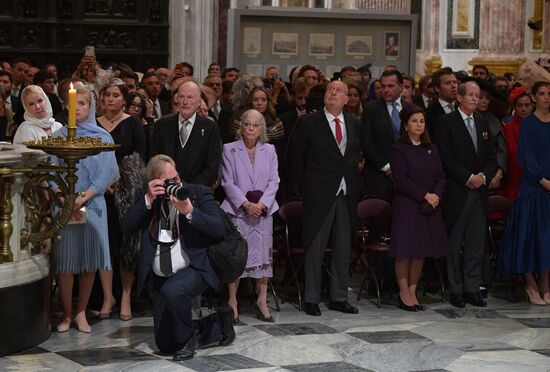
(426, 89)
(445, 86)
(469, 160)
(192, 141)
(325, 153)
(176, 234)
(381, 127)
(153, 88)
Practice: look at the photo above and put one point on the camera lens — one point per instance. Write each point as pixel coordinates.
(173, 189)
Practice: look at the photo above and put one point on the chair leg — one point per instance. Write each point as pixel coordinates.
(275, 298)
(297, 282)
(440, 279)
(373, 273)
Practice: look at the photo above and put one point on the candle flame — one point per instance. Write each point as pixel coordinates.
(72, 86)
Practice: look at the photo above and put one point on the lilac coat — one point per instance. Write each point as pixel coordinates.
(239, 176)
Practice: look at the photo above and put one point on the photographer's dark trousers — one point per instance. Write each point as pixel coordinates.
(172, 313)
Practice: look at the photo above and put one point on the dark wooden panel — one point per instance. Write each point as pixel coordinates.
(55, 31)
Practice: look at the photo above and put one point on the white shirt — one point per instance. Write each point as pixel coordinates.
(343, 144)
(157, 108)
(178, 260)
(190, 126)
(425, 99)
(446, 106)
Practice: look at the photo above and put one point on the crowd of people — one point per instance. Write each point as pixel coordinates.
(435, 151)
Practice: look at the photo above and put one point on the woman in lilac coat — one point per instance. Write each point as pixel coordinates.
(250, 181)
(418, 230)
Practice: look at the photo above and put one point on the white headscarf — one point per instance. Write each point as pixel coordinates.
(45, 122)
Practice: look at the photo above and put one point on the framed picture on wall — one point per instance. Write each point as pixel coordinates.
(252, 40)
(321, 45)
(358, 45)
(463, 19)
(391, 45)
(284, 44)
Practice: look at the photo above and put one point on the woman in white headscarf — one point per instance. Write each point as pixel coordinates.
(38, 116)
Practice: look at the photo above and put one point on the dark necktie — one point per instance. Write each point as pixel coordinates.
(395, 119)
(338, 130)
(165, 249)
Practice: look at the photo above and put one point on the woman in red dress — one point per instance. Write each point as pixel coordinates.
(521, 102)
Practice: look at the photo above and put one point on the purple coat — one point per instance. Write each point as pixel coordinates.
(239, 176)
(417, 170)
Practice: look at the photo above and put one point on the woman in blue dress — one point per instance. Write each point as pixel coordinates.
(84, 247)
(526, 244)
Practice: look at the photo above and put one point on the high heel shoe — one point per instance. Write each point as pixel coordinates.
(546, 298)
(262, 317)
(534, 301)
(63, 326)
(103, 316)
(402, 305)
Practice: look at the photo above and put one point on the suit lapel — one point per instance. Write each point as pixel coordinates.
(349, 133)
(260, 161)
(172, 139)
(461, 127)
(195, 142)
(325, 128)
(386, 122)
(242, 154)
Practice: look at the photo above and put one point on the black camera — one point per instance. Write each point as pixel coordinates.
(173, 189)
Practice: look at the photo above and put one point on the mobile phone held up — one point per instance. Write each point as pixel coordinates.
(89, 50)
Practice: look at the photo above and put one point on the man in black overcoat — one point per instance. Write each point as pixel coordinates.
(325, 157)
(469, 161)
(192, 141)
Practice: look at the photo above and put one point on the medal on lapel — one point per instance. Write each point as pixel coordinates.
(485, 135)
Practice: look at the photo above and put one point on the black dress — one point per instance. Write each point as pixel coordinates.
(130, 135)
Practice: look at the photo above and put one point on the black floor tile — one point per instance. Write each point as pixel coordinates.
(387, 337)
(226, 362)
(33, 350)
(469, 313)
(94, 357)
(296, 329)
(535, 322)
(545, 352)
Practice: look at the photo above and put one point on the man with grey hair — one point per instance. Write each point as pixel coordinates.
(469, 159)
(192, 141)
(325, 156)
(177, 227)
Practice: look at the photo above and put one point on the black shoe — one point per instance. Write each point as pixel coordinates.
(419, 307)
(474, 299)
(262, 317)
(483, 291)
(226, 323)
(188, 351)
(343, 307)
(402, 305)
(457, 300)
(312, 309)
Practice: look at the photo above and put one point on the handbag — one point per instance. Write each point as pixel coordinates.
(254, 196)
(228, 257)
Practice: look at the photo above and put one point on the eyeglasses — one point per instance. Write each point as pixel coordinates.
(135, 107)
(247, 124)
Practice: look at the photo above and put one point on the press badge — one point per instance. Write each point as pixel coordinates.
(165, 236)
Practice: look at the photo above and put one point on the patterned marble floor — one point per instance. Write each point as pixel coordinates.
(503, 337)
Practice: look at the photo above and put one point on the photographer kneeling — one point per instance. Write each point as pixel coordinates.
(176, 234)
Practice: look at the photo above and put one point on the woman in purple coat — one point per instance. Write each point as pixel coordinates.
(418, 230)
(250, 181)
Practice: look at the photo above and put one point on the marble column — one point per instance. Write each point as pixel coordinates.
(431, 34)
(193, 34)
(501, 36)
(546, 29)
(390, 6)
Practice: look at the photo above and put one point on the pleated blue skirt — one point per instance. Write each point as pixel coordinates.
(526, 242)
(84, 247)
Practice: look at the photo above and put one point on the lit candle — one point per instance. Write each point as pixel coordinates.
(72, 107)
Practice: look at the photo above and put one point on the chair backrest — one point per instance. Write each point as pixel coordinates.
(292, 211)
(499, 204)
(370, 208)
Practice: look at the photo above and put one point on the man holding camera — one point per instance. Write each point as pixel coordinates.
(176, 234)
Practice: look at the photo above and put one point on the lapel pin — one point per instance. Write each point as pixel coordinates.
(429, 152)
(485, 136)
(202, 132)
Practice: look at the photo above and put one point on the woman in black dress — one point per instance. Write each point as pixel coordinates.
(129, 133)
(418, 230)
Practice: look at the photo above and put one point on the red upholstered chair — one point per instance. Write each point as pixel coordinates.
(367, 210)
(292, 214)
